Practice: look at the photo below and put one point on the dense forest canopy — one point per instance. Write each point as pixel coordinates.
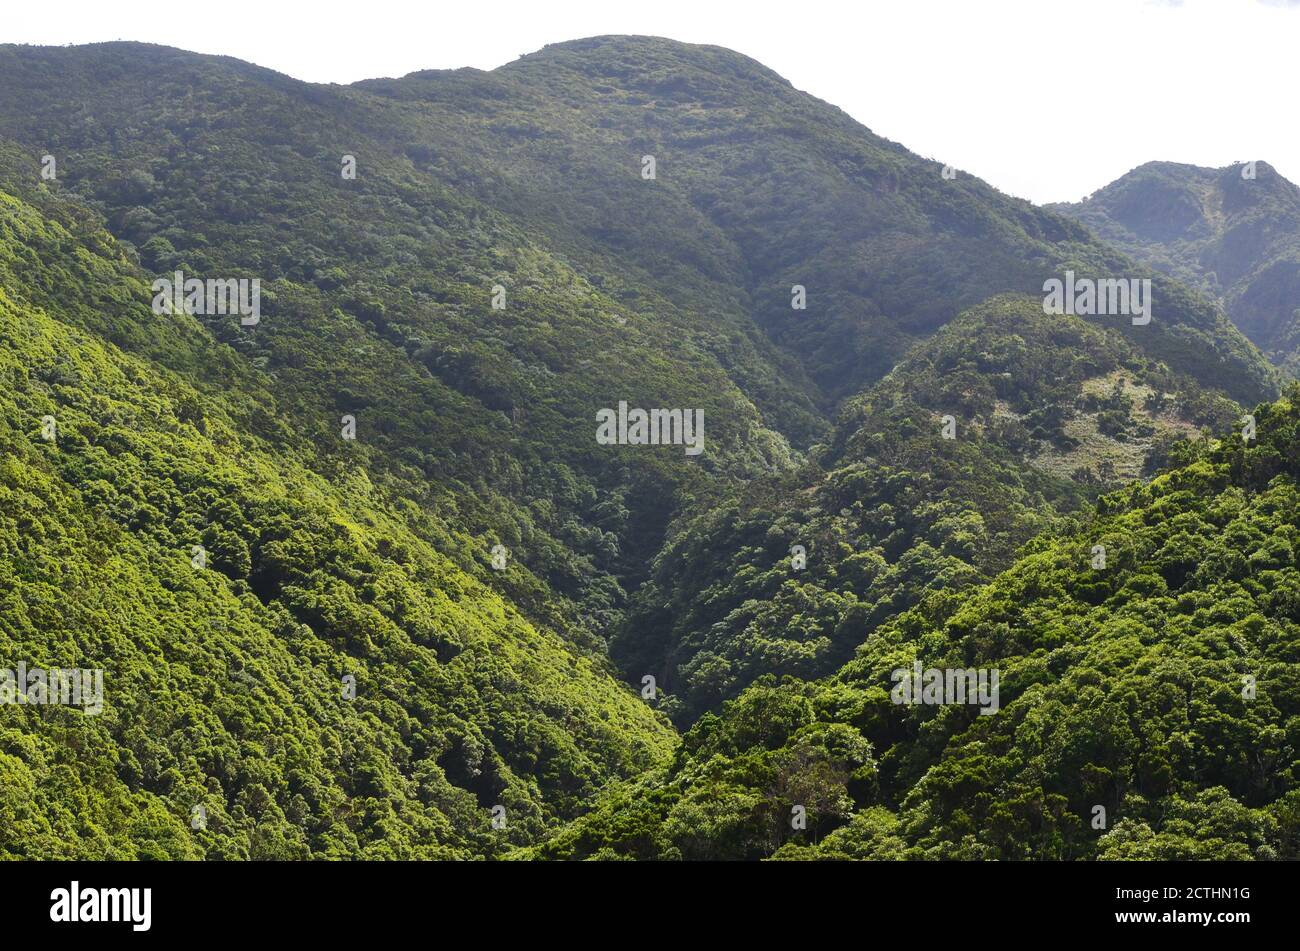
(364, 579)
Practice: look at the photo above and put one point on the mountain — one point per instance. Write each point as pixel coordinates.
(758, 188)
(1147, 706)
(669, 292)
(1232, 232)
(378, 304)
(394, 472)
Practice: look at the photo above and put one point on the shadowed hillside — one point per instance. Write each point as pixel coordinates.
(1233, 232)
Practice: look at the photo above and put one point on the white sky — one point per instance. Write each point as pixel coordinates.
(1046, 99)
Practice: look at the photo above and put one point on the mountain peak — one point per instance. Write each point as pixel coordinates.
(1233, 231)
(636, 58)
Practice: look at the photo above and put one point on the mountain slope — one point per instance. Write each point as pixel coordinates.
(1146, 708)
(1233, 232)
(224, 679)
(760, 187)
(1046, 411)
(377, 303)
(671, 292)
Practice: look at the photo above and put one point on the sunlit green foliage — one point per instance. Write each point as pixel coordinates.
(224, 685)
(891, 509)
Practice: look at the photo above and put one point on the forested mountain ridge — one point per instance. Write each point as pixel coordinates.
(1233, 232)
(500, 269)
(760, 187)
(378, 303)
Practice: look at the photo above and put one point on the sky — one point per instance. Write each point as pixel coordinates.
(1045, 99)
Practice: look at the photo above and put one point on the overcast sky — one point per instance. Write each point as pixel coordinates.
(1046, 99)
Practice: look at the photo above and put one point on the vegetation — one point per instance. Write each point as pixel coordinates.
(1232, 232)
(891, 509)
(225, 681)
(497, 272)
(1161, 688)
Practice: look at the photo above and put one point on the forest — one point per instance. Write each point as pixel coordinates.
(364, 580)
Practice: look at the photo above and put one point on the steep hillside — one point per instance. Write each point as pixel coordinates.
(1233, 232)
(377, 303)
(1146, 707)
(234, 600)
